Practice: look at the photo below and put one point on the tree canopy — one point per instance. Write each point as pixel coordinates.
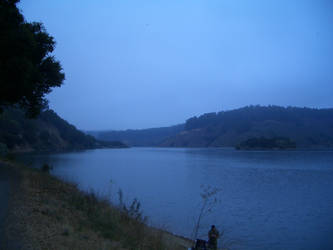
(306, 127)
(28, 71)
(48, 132)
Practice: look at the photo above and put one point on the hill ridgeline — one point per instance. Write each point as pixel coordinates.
(48, 132)
(139, 137)
(306, 127)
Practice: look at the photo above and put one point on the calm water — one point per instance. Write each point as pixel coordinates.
(268, 200)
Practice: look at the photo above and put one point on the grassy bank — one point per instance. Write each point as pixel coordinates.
(47, 213)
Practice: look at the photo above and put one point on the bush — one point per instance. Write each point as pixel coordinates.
(46, 168)
(3, 149)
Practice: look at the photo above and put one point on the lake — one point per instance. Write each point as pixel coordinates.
(267, 199)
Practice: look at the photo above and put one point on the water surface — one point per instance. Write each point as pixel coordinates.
(268, 199)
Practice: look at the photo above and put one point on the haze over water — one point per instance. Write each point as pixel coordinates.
(268, 199)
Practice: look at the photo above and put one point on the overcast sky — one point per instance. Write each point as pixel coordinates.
(141, 64)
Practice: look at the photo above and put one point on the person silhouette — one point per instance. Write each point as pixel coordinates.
(213, 235)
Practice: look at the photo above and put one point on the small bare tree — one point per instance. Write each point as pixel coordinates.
(208, 202)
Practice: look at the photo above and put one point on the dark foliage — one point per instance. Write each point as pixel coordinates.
(139, 137)
(46, 168)
(242, 119)
(47, 133)
(27, 69)
(267, 143)
(306, 127)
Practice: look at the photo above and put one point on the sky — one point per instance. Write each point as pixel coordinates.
(153, 63)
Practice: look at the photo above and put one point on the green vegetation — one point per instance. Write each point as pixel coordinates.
(28, 71)
(47, 133)
(267, 143)
(308, 128)
(52, 214)
(139, 137)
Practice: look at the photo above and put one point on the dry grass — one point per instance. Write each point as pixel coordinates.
(51, 214)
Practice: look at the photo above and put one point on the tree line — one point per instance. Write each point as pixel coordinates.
(28, 70)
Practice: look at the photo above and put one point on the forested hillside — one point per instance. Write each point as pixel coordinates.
(306, 127)
(48, 132)
(139, 137)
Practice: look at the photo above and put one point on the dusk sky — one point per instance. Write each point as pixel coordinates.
(142, 64)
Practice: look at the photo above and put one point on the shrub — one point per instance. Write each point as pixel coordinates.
(46, 168)
(3, 149)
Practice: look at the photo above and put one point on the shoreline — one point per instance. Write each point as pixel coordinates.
(51, 213)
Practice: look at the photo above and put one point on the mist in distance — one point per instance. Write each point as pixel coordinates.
(140, 64)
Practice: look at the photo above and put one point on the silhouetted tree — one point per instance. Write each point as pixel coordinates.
(27, 69)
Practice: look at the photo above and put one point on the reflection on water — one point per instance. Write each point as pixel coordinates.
(269, 199)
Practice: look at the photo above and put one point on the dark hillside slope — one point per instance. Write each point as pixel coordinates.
(47, 133)
(139, 137)
(305, 126)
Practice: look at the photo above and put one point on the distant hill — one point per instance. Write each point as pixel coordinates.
(305, 126)
(139, 137)
(47, 133)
